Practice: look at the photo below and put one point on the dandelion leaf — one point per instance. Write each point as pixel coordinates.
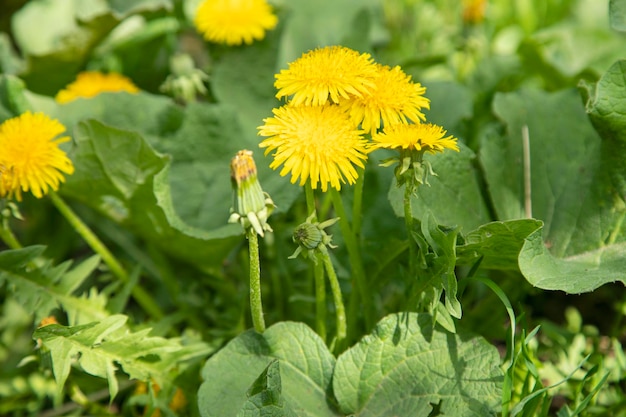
(41, 287)
(100, 348)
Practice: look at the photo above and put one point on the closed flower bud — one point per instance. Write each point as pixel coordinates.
(251, 206)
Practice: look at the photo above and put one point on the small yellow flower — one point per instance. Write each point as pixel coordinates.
(91, 83)
(474, 11)
(30, 158)
(234, 22)
(419, 137)
(334, 71)
(316, 143)
(394, 99)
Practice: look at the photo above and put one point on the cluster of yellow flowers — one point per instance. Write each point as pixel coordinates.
(334, 97)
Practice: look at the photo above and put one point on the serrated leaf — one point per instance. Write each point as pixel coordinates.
(576, 274)
(306, 368)
(265, 395)
(497, 243)
(41, 287)
(100, 346)
(408, 367)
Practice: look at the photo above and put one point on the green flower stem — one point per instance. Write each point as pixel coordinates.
(356, 264)
(318, 273)
(7, 236)
(142, 297)
(337, 298)
(357, 202)
(256, 305)
(408, 220)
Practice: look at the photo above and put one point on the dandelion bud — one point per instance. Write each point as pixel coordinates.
(310, 235)
(185, 81)
(251, 206)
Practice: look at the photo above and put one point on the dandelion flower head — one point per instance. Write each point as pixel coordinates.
(334, 72)
(233, 22)
(91, 83)
(316, 143)
(425, 137)
(30, 158)
(394, 99)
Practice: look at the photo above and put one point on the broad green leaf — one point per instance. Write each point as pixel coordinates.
(265, 395)
(306, 368)
(315, 24)
(576, 274)
(497, 243)
(201, 139)
(617, 14)
(99, 347)
(120, 175)
(568, 180)
(56, 37)
(41, 287)
(607, 110)
(453, 197)
(409, 367)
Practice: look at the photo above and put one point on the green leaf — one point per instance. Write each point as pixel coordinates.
(576, 274)
(121, 176)
(99, 347)
(41, 287)
(56, 38)
(453, 197)
(265, 395)
(617, 14)
(497, 243)
(569, 190)
(306, 368)
(409, 367)
(607, 111)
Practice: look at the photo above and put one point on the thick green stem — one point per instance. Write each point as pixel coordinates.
(142, 297)
(256, 305)
(360, 300)
(337, 297)
(318, 273)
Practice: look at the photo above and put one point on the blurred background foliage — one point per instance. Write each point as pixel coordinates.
(485, 72)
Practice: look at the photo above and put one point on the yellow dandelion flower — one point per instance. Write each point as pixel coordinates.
(30, 158)
(425, 137)
(334, 71)
(316, 143)
(474, 11)
(91, 83)
(394, 99)
(234, 22)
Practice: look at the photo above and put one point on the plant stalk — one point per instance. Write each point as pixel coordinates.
(256, 304)
(340, 310)
(142, 297)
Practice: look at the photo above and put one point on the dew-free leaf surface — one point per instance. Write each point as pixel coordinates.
(408, 367)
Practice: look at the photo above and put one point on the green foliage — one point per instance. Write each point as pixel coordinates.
(98, 346)
(455, 374)
(507, 234)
